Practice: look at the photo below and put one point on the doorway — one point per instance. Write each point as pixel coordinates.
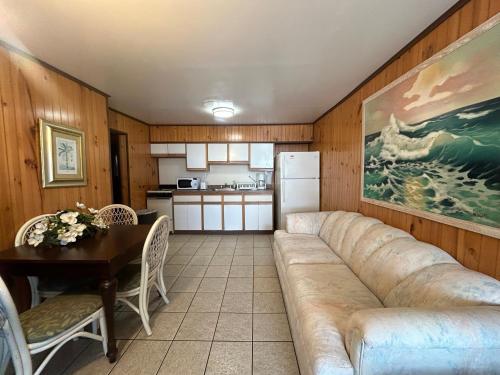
(119, 167)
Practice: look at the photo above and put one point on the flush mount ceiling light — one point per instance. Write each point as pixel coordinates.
(223, 112)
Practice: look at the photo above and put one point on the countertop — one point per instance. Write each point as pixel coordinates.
(214, 192)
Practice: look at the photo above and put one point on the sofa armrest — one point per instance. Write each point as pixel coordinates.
(306, 222)
(425, 341)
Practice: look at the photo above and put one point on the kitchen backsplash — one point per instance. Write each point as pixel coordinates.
(171, 168)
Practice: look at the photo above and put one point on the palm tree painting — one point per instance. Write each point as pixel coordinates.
(66, 155)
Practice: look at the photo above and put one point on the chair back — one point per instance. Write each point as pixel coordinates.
(118, 214)
(155, 248)
(12, 338)
(24, 232)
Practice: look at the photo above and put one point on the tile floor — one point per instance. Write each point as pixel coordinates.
(226, 316)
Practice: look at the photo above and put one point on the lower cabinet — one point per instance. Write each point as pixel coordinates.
(212, 217)
(258, 217)
(187, 216)
(233, 217)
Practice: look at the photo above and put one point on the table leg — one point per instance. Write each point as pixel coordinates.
(108, 294)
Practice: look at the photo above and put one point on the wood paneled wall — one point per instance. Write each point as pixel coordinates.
(299, 133)
(290, 147)
(338, 136)
(29, 91)
(143, 169)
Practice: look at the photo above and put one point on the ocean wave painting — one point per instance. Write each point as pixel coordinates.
(432, 139)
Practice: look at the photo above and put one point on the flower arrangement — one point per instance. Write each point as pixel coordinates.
(67, 226)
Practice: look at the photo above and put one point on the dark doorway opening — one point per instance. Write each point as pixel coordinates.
(119, 167)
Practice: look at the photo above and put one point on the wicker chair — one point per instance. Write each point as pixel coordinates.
(118, 214)
(138, 279)
(49, 325)
(44, 288)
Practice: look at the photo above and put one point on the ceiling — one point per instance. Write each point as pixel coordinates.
(166, 61)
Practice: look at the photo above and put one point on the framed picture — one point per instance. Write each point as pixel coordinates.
(62, 155)
(431, 139)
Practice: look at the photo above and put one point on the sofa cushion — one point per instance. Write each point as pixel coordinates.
(304, 249)
(333, 284)
(326, 229)
(392, 263)
(324, 296)
(374, 238)
(445, 285)
(359, 226)
(309, 222)
(340, 228)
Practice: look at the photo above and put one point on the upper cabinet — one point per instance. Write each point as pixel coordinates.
(238, 153)
(217, 152)
(261, 155)
(168, 149)
(196, 156)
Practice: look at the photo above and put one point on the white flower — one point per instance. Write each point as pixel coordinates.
(69, 218)
(93, 211)
(99, 223)
(35, 239)
(78, 229)
(67, 237)
(40, 227)
(80, 205)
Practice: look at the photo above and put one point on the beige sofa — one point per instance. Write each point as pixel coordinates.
(366, 298)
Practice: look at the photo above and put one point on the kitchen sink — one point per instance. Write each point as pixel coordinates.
(225, 189)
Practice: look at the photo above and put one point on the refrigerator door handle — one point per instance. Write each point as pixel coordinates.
(283, 191)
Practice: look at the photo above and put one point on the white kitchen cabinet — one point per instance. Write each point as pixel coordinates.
(259, 216)
(233, 217)
(261, 155)
(238, 153)
(166, 149)
(177, 149)
(265, 217)
(217, 152)
(187, 216)
(251, 217)
(212, 217)
(158, 148)
(196, 156)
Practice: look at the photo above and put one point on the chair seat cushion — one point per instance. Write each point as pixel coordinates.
(129, 277)
(55, 315)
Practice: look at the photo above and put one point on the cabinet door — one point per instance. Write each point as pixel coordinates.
(177, 148)
(196, 156)
(194, 216)
(238, 152)
(261, 155)
(217, 152)
(251, 217)
(233, 219)
(180, 217)
(212, 217)
(159, 148)
(265, 217)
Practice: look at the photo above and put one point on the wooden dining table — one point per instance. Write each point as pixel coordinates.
(100, 258)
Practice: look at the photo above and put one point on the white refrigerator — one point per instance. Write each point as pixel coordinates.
(297, 184)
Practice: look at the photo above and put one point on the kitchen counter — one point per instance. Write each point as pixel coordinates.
(221, 192)
(209, 210)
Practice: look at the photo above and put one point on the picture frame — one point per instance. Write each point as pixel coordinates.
(437, 182)
(62, 155)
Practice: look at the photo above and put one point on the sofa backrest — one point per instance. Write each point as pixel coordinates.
(401, 271)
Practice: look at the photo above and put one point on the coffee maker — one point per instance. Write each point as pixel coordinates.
(261, 181)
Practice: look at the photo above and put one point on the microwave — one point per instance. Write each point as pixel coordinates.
(188, 183)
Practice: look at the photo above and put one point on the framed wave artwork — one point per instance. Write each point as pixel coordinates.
(431, 139)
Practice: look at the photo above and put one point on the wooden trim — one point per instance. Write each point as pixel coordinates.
(459, 4)
(10, 47)
(129, 116)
